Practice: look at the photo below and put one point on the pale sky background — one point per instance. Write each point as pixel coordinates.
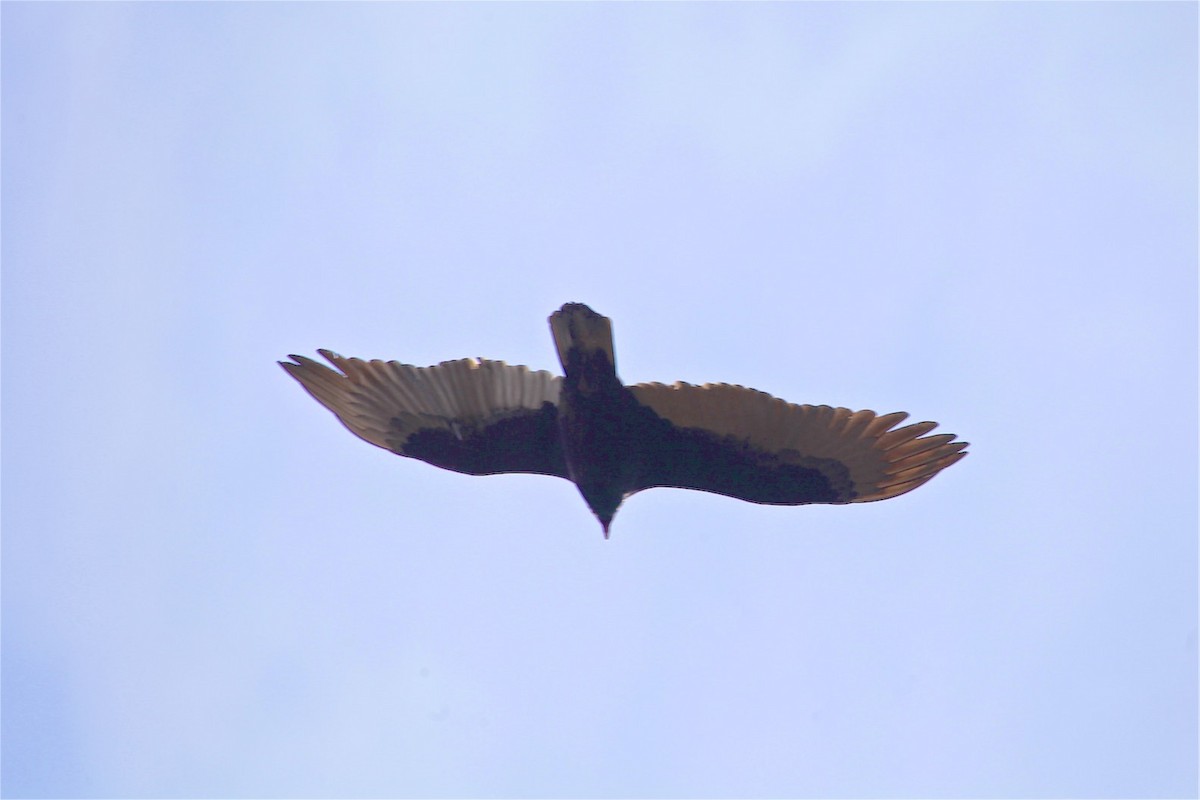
(984, 214)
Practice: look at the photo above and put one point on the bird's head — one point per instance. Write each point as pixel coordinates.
(604, 503)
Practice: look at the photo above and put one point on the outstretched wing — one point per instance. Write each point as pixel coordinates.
(750, 445)
(474, 416)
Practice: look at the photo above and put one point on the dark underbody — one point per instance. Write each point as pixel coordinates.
(610, 445)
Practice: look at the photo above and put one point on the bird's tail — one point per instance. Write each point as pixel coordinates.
(577, 327)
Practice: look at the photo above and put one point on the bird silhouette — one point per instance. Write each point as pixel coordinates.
(484, 417)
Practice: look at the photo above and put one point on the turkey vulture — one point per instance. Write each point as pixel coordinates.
(485, 417)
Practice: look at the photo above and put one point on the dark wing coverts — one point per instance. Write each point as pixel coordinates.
(750, 445)
(475, 416)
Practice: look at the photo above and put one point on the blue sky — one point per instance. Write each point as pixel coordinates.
(983, 214)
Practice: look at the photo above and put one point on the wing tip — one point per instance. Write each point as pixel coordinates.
(915, 470)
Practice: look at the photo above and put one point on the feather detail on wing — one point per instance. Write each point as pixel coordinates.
(862, 456)
(471, 415)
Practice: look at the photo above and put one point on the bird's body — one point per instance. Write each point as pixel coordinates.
(485, 417)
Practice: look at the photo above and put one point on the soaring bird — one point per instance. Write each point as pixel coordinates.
(485, 417)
